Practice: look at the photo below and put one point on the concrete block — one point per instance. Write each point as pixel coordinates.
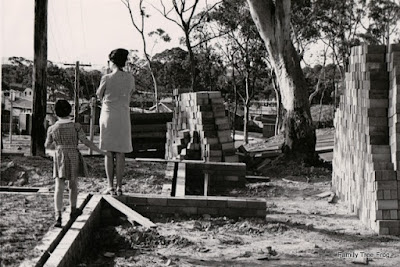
(186, 202)
(237, 203)
(387, 204)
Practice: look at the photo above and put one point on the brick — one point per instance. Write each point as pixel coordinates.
(252, 204)
(394, 194)
(185, 210)
(386, 214)
(382, 185)
(136, 200)
(383, 231)
(162, 201)
(231, 178)
(207, 210)
(217, 203)
(386, 204)
(386, 194)
(184, 202)
(394, 215)
(237, 203)
(379, 214)
(394, 231)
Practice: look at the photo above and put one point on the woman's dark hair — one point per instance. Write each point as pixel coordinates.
(119, 57)
(62, 108)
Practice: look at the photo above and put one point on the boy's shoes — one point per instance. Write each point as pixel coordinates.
(58, 222)
(109, 191)
(75, 213)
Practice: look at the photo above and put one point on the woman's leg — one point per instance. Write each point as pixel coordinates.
(120, 162)
(109, 165)
(58, 196)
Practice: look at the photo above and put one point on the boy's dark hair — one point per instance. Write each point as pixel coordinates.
(62, 108)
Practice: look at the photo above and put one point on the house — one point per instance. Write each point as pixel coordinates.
(27, 93)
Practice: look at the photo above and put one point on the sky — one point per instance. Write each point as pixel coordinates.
(79, 30)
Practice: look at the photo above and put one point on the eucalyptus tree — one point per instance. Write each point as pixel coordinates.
(272, 19)
(383, 22)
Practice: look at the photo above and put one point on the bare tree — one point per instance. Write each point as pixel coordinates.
(187, 21)
(140, 27)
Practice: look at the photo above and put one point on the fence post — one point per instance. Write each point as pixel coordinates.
(92, 119)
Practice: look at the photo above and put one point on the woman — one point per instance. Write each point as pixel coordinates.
(115, 126)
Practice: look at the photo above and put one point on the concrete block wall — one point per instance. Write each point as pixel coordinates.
(200, 129)
(151, 205)
(365, 164)
(78, 237)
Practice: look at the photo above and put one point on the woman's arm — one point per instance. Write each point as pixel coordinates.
(102, 88)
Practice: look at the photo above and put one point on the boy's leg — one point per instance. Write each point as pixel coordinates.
(109, 165)
(58, 199)
(58, 195)
(73, 197)
(120, 158)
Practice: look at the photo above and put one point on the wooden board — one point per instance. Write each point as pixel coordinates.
(131, 214)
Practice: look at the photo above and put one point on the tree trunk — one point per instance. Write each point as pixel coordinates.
(272, 19)
(192, 59)
(246, 115)
(245, 123)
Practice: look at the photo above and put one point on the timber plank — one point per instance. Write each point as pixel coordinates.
(131, 214)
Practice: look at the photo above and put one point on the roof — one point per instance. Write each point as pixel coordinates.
(22, 103)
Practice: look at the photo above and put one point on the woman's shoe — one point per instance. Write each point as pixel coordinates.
(109, 191)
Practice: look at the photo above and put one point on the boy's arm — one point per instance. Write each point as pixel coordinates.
(87, 142)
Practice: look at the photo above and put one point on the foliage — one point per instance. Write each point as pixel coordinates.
(327, 82)
(58, 79)
(384, 16)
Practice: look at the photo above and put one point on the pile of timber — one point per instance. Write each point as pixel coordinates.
(148, 134)
(200, 129)
(363, 171)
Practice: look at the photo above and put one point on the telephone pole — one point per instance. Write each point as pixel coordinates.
(39, 79)
(76, 92)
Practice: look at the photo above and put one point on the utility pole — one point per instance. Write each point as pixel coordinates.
(39, 79)
(76, 92)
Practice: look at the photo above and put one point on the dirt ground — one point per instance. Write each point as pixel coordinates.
(300, 229)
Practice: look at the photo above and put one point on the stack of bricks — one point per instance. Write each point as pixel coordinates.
(200, 129)
(364, 175)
